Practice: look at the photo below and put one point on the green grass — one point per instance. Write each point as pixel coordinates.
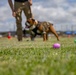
(37, 57)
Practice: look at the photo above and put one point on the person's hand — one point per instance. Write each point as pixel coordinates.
(30, 2)
(14, 14)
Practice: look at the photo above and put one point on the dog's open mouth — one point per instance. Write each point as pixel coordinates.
(28, 24)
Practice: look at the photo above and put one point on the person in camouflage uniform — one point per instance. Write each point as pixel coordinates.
(17, 8)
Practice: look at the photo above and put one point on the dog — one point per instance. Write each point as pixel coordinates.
(42, 27)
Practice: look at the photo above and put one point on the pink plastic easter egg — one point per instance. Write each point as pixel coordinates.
(56, 45)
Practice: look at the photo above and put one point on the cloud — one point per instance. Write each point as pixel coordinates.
(59, 12)
(6, 19)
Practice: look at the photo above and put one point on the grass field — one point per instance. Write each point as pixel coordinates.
(37, 57)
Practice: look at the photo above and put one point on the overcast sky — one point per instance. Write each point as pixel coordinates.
(62, 13)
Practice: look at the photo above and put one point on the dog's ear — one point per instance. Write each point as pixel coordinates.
(33, 20)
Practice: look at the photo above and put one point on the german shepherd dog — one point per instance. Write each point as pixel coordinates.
(43, 28)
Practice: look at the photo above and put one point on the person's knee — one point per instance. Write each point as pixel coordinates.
(18, 19)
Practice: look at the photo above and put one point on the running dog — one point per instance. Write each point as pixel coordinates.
(42, 27)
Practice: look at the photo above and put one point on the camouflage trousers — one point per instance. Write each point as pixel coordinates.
(19, 7)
